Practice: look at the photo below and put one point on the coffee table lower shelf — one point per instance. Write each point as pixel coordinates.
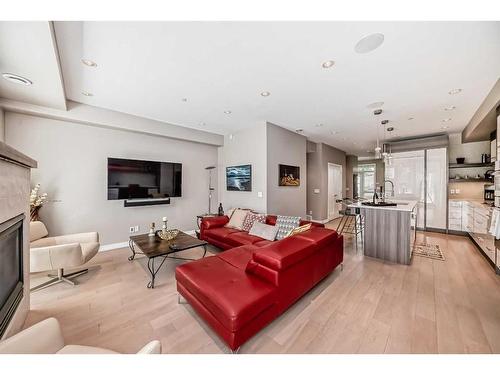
(155, 247)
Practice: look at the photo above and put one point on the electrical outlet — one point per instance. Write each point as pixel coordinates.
(131, 230)
(310, 212)
(457, 191)
(452, 191)
(136, 229)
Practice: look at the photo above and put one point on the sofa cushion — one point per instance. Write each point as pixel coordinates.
(233, 297)
(320, 236)
(285, 224)
(238, 256)
(283, 254)
(241, 238)
(220, 233)
(262, 243)
(264, 231)
(211, 222)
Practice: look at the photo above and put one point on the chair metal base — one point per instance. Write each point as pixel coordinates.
(59, 278)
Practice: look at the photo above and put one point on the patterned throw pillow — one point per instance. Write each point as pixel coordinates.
(252, 218)
(285, 225)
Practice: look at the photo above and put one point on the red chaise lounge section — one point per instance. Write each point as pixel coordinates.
(241, 290)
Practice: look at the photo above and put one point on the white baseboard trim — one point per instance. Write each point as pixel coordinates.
(113, 246)
(121, 245)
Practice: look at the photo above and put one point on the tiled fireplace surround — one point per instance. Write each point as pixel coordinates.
(15, 170)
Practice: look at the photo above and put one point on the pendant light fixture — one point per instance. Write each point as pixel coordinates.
(378, 149)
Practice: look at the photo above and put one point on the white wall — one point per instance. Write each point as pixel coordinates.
(245, 147)
(72, 161)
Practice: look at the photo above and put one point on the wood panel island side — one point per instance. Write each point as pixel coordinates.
(389, 231)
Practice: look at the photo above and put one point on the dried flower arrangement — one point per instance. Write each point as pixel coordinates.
(36, 202)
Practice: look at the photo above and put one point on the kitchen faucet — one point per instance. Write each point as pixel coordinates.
(392, 184)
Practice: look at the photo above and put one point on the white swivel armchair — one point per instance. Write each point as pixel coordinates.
(46, 337)
(58, 253)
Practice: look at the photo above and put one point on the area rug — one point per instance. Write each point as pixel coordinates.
(428, 251)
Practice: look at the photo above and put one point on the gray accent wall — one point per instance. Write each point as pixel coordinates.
(72, 169)
(317, 164)
(289, 148)
(351, 165)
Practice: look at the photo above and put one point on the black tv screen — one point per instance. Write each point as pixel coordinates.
(139, 179)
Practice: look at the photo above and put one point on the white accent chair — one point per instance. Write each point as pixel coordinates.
(58, 253)
(46, 337)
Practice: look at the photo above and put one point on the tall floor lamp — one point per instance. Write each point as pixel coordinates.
(210, 188)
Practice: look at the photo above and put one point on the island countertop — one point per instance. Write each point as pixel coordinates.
(402, 205)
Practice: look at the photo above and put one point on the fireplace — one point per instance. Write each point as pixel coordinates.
(11, 269)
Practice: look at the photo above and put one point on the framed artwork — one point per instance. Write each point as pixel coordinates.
(289, 175)
(239, 178)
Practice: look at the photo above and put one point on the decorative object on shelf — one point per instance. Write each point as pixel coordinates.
(220, 210)
(239, 178)
(289, 175)
(36, 202)
(152, 230)
(168, 234)
(460, 160)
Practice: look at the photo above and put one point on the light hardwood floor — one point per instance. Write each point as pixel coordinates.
(430, 306)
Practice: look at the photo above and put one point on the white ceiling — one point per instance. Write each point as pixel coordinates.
(146, 68)
(28, 49)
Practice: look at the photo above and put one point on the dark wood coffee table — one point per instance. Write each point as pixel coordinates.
(154, 247)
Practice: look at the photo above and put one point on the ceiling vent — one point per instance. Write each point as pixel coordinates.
(14, 78)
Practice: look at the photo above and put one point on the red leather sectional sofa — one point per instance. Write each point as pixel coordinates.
(241, 290)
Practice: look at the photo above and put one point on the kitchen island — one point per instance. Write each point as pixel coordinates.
(389, 231)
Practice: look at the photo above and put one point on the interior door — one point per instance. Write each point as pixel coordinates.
(334, 190)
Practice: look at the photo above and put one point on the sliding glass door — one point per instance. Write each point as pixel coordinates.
(422, 176)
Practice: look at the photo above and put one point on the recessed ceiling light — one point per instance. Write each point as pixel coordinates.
(227, 112)
(369, 43)
(202, 124)
(318, 125)
(450, 108)
(14, 78)
(446, 119)
(444, 127)
(89, 63)
(375, 105)
(265, 93)
(390, 129)
(334, 132)
(455, 91)
(410, 118)
(184, 99)
(328, 64)
(299, 130)
(86, 93)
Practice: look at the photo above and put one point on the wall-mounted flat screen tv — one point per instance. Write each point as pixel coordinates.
(140, 179)
(239, 178)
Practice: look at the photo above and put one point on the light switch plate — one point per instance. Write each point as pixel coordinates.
(316, 191)
(259, 194)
